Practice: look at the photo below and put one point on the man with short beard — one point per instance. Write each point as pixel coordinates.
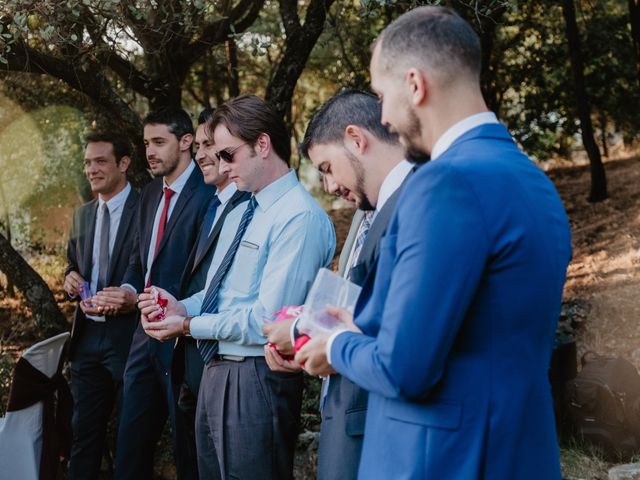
(170, 213)
(364, 164)
(453, 338)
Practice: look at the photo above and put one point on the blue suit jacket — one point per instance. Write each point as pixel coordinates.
(460, 319)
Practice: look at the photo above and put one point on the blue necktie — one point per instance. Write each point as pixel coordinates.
(207, 224)
(208, 348)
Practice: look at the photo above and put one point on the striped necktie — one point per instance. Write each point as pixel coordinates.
(208, 348)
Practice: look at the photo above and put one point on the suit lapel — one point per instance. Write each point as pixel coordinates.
(369, 253)
(348, 243)
(183, 199)
(128, 212)
(236, 199)
(149, 211)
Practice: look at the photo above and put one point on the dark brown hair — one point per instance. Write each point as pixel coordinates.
(247, 117)
(121, 146)
(436, 36)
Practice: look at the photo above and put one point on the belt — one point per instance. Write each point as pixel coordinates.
(234, 358)
(230, 358)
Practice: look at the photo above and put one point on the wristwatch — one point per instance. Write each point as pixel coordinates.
(185, 326)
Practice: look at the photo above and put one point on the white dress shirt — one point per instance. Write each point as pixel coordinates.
(177, 186)
(458, 129)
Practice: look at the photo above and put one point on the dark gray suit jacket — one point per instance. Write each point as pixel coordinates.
(79, 256)
(344, 408)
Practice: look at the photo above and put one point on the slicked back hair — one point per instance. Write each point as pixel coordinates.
(205, 115)
(119, 142)
(176, 119)
(349, 107)
(435, 38)
(247, 117)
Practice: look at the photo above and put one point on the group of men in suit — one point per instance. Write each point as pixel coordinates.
(441, 371)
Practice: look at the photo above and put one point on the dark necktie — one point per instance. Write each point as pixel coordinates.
(206, 225)
(168, 193)
(103, 259)
(208, 348)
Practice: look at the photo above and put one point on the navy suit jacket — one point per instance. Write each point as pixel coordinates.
(173, 252)
(460, 319)
(79, 257)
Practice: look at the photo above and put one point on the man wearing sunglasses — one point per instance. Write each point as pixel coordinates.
(268, 255)
(170, 213)
(187, 361)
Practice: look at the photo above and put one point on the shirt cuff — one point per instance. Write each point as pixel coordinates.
(192, 307)
(129, 287)
(200, 327)
(294, 332)
(330, 342)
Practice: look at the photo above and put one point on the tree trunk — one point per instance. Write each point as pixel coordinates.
(603, 135)
(232, 67)
(598, 177)
(634, 20)
(300, 42)
(38, 297)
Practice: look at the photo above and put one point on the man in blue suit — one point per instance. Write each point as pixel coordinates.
(457, 327)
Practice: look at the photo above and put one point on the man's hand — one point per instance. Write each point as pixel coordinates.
(345, 316)
(90, 309)
(313, 356)
(73, 283)
(170, 327)
(279, 364)
(115, 300)
(279, 334)
(150, 309)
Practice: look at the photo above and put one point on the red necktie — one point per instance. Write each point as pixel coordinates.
(168, 193)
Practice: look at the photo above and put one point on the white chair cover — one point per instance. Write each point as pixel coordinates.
(21, 431)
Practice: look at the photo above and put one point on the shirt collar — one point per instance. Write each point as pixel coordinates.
(272, 192)
(458, 129)
(226, 193)
(179, 183)
(115, 202)
(392, 182)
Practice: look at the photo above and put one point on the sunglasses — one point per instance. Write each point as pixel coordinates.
(227, 154)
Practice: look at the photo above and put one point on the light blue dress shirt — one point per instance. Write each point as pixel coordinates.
(288, 240)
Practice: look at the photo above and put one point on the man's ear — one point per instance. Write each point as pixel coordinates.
(356, 136)
(419, 85)
(263, 145)
(124, 164)
(185, 142)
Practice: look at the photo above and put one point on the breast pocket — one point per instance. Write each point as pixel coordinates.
(244, 271)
